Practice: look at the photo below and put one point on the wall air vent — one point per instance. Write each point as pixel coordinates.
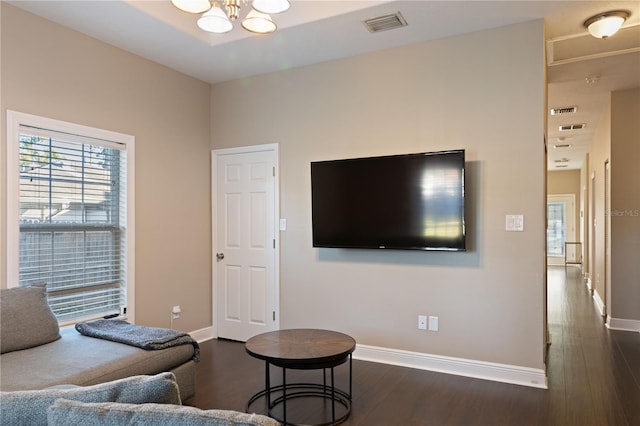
(567, 127)
(563, 110)
(386, 22)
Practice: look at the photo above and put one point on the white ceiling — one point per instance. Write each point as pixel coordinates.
(313, 31)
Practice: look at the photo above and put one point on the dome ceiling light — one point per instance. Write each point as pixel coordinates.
(606, 24)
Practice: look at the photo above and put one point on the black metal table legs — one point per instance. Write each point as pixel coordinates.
(288, 391)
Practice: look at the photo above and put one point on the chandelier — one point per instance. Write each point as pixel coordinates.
(219, 15)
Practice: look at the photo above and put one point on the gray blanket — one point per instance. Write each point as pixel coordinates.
(149, 338)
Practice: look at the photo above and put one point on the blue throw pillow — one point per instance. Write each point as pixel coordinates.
(29, 408)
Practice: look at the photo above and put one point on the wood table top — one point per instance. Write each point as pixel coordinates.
(295, 348)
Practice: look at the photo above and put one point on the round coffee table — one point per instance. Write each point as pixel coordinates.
(303, 349)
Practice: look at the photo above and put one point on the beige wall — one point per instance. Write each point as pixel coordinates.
(599, 153)
(625, 205)
(54, 72)
(483, 92)
(616, 140)
(564, 182)
(585, 219)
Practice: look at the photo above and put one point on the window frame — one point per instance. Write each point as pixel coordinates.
(17, 119)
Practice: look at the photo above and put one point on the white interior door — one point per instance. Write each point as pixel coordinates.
(245, 241)
(560, 227)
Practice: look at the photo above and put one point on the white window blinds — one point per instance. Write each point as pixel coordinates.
(72, 202)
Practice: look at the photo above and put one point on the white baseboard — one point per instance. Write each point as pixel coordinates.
(203, 334)
(599, 302)
(623, 324)
(459, 366)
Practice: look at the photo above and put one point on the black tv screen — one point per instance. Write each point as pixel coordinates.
(412, 201)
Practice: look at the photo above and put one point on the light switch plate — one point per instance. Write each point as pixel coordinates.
(283, 224)
(433, 323)
(514, 223)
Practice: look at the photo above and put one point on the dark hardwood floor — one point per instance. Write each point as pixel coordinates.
(593, 372)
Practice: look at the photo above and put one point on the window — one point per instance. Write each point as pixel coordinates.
(555, 228)
(70, 215)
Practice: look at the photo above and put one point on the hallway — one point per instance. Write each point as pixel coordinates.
(595, 371)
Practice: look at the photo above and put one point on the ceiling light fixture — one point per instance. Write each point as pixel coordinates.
(218, 16)
(606, 24)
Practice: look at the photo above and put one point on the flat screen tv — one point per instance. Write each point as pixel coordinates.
(412, 202)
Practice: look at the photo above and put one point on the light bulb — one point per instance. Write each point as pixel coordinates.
(192, 6)
(271, 6)
(215, 21)
(257, 22)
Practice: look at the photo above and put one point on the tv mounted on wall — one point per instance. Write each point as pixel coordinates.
(411, 201)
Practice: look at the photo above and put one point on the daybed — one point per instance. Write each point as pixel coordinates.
(37, 354)
(53, 376)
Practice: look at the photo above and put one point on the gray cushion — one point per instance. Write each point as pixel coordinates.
(26, 318)
(65, 412)
(85, 361)
(30, 407)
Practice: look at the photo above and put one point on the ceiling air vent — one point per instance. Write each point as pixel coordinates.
(386, 22)
(567, 127)
(564, 110)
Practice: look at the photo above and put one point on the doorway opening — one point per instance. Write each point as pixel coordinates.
(560, 228)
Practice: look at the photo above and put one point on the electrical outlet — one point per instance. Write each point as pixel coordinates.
(175, 312)
(422, 322)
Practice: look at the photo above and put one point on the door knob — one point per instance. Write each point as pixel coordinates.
(219, 256)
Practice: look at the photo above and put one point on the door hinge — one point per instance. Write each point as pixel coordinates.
(274, 243)
(273, 171)
(274, 315)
